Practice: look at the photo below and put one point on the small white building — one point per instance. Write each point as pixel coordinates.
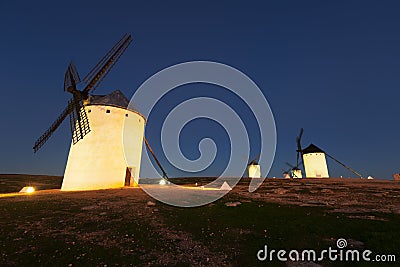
(98, 160)
(315, 162)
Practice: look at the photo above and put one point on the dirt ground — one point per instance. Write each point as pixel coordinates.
(127, 227)
(343, 195)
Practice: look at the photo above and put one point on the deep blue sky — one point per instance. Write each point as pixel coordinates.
(332, 67)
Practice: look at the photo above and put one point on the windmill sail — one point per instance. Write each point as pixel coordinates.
(101, 63)
(71, 78)
(79, 123)
(299, 150)
(102, 68)
(42, 139)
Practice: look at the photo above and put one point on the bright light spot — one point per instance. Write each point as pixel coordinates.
(163, 182)
(27, 189)
(30, 190)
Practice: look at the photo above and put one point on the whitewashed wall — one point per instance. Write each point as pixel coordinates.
(98, 161)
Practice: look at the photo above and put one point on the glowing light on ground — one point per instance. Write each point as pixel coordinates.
(30, 190)
(27, 189)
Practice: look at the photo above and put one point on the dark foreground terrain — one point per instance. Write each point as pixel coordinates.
(121, 227)
(14, 182)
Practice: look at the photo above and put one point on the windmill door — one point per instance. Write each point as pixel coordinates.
(130, 176)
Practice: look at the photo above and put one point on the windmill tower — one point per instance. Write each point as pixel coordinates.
(96, 158)
(253, 168)
(315, 162)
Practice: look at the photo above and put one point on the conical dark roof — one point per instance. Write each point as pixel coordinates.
(253, 162)
(116, 98)
(312, 149)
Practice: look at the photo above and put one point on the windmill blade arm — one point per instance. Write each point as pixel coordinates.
(257, 157)
(105, 65)
(298, 140)
(290, 165)
(155, 158)
(42, 139)
(301, 163)
(71, 78)
(101, 63)
(301, 133)
(344, 165)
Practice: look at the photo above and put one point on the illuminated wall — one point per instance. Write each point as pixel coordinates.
(98, 161)
(315, 165)
(254, 171)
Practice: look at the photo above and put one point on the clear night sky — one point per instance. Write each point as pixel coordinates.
(331, 67)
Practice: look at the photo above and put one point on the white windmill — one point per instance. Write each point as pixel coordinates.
(314, 160)
(253, 168)
(292, 172)
(96, 158)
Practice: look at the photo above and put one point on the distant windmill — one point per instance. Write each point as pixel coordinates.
(287, 173)
(98, 156)
(253, 168)
(294, 171)
(314, 160)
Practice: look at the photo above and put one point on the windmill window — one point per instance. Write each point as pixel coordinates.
(126, 115)
(89, 110)
(107, 111)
